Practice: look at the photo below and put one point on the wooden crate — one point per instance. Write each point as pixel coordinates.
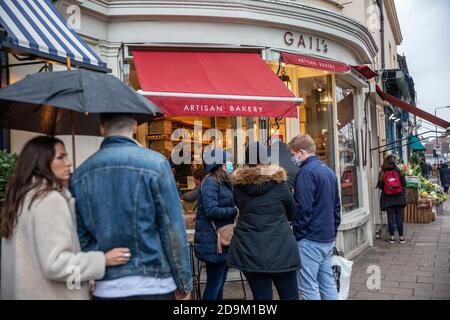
(413, 214)
(410, 213)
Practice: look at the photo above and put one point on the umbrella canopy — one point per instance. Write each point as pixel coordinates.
(43, 102)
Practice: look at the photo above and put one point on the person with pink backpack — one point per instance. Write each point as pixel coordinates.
(392, 184)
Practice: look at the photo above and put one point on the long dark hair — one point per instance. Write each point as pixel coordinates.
(388, 165)
(220, 174)
(33, 171)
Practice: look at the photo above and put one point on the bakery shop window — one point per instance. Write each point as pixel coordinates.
(348, 151)
(316, 112)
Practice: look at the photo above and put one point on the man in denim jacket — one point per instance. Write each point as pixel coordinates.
(126, 197)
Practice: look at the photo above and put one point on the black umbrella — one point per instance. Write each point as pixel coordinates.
(29, 104)
(68, 102)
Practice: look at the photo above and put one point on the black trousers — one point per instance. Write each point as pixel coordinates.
(395, 218)
(261, 285)
(168, 296)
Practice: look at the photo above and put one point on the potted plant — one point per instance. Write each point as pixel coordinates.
(7, 164)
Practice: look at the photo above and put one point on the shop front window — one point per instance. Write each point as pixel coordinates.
(184, 139)
(316, 111)
(348, 151)
(278, 130)
(316, 114)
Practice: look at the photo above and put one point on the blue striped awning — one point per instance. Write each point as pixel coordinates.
(36, 27)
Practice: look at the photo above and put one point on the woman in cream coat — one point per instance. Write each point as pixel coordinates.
(41, 256)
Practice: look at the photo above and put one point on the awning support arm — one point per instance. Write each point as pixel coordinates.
(388, 144)
(217, 96)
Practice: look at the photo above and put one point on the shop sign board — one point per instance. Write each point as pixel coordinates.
(307, 42)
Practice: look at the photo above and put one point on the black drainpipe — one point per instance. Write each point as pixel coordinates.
(383, 56)
(380, 5)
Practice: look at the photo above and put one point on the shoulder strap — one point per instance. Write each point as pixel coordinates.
(201, 191)
(204, 179)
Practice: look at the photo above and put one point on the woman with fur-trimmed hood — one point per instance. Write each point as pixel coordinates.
(263, 245)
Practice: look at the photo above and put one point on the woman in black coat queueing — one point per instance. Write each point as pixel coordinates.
(393, 198)
(263, 245)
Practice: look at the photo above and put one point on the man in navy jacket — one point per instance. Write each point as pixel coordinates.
(317, 220)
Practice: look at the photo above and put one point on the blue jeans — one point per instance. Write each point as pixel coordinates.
(216, 274)
(261, 285)
(315, 278)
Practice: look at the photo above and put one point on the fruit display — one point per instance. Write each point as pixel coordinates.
(429, 193)
(410, 170)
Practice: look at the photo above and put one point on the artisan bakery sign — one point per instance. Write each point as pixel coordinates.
(241, 109)
(299, 40)
(222, 108)
(315, 63)
(214, 107)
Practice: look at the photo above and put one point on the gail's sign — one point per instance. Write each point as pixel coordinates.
(299, 40)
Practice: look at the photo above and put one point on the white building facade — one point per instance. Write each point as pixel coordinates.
(342, 120)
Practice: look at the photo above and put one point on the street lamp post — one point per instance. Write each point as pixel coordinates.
(436, 141)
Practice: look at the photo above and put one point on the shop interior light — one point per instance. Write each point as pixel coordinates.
(325, 98)
(392, 116)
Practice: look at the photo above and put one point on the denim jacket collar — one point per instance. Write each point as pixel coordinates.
(114, 141)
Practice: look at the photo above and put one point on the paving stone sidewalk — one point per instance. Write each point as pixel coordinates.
(417, 270)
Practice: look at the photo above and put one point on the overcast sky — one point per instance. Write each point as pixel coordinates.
(426, 43)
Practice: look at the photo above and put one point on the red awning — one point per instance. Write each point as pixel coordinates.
(316, 63)
(366, 71)
(213, 84)
(412, 109)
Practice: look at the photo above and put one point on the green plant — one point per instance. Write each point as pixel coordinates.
(414, 159)
(7, 164)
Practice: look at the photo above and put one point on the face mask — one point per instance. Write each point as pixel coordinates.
(230, 167)
(296, 161)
